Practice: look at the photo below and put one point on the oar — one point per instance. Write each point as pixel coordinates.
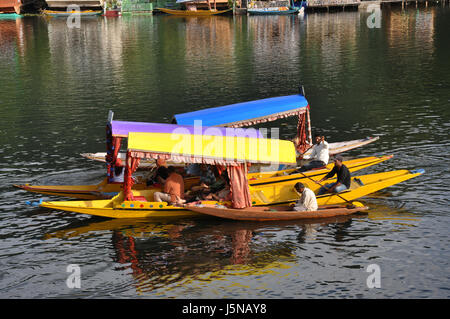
(350, 203)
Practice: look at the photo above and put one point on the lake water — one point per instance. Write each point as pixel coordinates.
(58, 83)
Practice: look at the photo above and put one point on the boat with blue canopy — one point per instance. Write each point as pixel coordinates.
(232, 154)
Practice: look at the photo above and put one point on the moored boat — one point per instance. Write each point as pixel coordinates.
(83, 13)
(196, 13)
(273, 11)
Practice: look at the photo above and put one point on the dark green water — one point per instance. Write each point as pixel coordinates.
(57, 85)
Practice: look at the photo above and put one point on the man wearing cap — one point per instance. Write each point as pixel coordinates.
(307, 201)
(343, 178)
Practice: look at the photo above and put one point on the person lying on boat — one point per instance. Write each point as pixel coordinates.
(119, 172)
(307, 200)
(207, 177)
(220, 190)
(343, 178)
(161, 173)
(173, 191)
(319, 156)
(211, 181)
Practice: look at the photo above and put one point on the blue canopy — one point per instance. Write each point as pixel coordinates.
(246, 113)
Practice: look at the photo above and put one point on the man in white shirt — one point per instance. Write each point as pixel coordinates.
(307, 201)
(319, 156)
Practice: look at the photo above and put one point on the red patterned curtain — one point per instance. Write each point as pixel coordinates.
(303, 137)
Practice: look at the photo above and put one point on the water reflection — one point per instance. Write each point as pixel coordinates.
(169, 253)
(58, 84)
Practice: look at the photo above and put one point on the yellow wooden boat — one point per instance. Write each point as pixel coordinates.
(197, 13)
(84, 13)
(142, 208)
(235, 152)
(361, 185)
(105, 190)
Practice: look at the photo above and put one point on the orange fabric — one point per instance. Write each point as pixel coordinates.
(240, 192)
(174, 186)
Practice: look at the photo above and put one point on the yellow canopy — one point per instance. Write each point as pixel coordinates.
(211, 149)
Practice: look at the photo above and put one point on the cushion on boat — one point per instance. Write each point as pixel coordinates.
(140, 198)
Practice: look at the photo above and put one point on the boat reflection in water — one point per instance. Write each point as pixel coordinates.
(172, 253)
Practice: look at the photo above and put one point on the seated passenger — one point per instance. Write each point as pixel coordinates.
(319, 156)
(343, 178)
(173, 191)
(161, 173)
(307, 200)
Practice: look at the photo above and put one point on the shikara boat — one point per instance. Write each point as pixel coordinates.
(234, 151)
(139, 203)
(361, 186)
(262, 180)
(143, 207)
(273, 11)
(84, 13)
(197, 13)
(269, 213)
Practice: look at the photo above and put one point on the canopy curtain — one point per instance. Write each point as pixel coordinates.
(303, 138)
(112, 150)
(240, 192)
(132, 164)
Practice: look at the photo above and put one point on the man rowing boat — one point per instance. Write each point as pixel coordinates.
(343, 178)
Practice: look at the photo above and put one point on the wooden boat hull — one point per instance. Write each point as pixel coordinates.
(141, 208)
(335, 148)
(198, 13)
(269, 213)
(257, 181)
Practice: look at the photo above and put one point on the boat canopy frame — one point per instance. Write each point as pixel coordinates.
(233, 152)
